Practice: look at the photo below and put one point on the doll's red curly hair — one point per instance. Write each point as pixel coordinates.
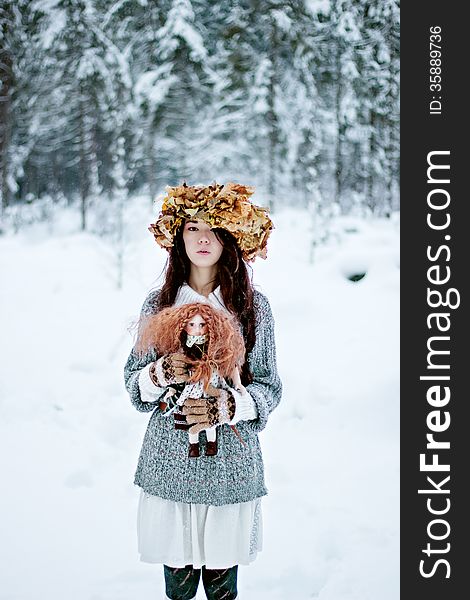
(225, 349)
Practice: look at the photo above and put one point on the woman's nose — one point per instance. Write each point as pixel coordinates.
(204, 238)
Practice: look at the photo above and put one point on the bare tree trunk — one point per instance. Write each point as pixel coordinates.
(370, 200)
(151, 162)
(388, 200)
(152, 173)
(338, 174)
(393, 141)
(6, 84)
(92, 153)
(84, 182)
(273, 138)
(120, 193)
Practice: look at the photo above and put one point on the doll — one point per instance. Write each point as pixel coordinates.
(212, 342)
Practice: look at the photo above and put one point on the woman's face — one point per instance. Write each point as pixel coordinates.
(201, 244)
(196, 326)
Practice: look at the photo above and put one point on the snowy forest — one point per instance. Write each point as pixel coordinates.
(100, 100)
(102, 105)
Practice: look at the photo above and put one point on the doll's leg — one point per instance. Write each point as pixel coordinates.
(193, 445)
(211, 434)
(211, 446)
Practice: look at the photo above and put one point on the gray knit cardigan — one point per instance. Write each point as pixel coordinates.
(236, 473)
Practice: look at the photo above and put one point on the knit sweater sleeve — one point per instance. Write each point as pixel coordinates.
(266, 388)
(136, 364)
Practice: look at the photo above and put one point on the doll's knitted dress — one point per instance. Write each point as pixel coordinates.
(192, 510)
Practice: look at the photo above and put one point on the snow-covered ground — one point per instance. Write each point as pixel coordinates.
(70, 437)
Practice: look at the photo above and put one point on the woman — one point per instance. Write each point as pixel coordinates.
(204, 514)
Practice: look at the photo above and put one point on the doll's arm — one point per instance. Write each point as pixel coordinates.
(235, 377)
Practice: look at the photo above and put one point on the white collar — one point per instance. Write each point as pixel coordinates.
(186, 295)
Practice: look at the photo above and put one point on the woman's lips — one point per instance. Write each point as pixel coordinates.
(203, 252)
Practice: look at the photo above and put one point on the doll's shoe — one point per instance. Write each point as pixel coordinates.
(193, 450)
(211, 448)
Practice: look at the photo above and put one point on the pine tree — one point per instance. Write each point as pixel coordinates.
(20, 51)
(379, 98)
(6, 83)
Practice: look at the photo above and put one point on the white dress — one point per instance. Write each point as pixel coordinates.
(179, 534)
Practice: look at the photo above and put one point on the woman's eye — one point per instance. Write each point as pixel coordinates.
(192, 228)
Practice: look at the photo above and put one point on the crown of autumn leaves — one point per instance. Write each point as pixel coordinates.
(226, 206)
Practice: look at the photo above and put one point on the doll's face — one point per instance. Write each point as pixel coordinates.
(196, 326)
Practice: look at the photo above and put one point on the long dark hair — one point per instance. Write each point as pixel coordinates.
(232, 276)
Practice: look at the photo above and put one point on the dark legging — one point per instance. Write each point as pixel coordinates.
(219, 584)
